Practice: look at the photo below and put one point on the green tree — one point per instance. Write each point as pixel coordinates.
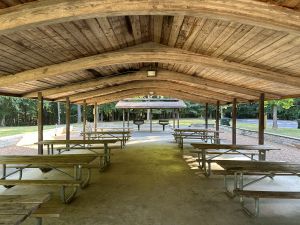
(278, 105)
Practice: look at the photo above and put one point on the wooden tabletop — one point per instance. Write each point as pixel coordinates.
(233, 147)
(114, 128)
(71, 159)
(77, 142)
(195, 130)
(14, 209)
(259, 166)
(107, 132)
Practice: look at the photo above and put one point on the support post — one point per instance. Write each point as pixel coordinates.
(123, 118)
(177, 118)
(218, 119)
(206, 115)
(68, 121)
(128, 117)
(150, 117)
(40, 122)
(95, 116)
(174, 122)
(261, 124)
(234, 114)
(84, 119)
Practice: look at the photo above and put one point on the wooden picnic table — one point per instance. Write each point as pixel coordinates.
(263, 169)
(204, 149)
(55, 162)
(14, 209)
(82, 143)
(122, 136)
(193, 133)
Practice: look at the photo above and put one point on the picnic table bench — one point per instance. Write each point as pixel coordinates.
(55, 162)
(191, 133)
(14, 209)
(202, 150)
(89, 145)
(122, 136)
(264, 169)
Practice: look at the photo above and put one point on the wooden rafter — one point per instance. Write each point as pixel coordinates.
(255, 13)
(145, 91)
(149, 52)
(168, 85)
(165, 75)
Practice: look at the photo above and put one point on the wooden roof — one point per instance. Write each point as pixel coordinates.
(100, 51)
(149, 103)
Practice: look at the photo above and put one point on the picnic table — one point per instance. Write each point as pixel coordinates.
(263, 169)
(55, 162)
(82, 144)
(203, 150)
(14, 209)
(192, 133)
(122, 136)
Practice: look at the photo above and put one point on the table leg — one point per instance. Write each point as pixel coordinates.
(262, 155)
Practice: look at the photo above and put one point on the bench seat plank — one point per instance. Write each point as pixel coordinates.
(38, 198)
(268, 194)
(41, 182)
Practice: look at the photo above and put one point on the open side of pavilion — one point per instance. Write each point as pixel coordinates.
(92, 52)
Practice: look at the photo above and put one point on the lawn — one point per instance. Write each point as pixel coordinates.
(8, 131)
(291, 132)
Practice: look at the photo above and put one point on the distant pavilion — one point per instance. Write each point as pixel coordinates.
(151, 103)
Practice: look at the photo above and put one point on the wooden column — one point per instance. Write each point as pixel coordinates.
(84, 118)
(174, 120)
(218, 119)
(177, 118)
(206, 115)
(261, 123)
(68, 118)
(123, 118)
(234, 114)
(150, 117)
(128, 117)
(40, 122)
(95, 116)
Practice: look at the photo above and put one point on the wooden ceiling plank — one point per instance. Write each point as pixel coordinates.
(176, 27)
(249, 12)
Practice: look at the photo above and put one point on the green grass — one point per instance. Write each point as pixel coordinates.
(291, 132)
(8, 131)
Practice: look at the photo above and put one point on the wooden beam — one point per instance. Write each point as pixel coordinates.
(167, 75)
(95, 116)
(218, 119)
(148, 52)
(206, 115)
(84, 119)
(234, 116)
(68, 118)
(261, 124)
(156, 83)
(145, 91)
(40, 122)
(40, 13)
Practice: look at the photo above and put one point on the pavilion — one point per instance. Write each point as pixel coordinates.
(151, 103)
(92, 52)
(213, 52)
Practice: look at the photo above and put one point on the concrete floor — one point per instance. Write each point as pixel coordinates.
(149, 183)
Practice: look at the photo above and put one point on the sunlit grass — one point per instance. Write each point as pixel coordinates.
(8, 131)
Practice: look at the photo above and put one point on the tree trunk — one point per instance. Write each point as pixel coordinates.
(275, 125)
(3, 121)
